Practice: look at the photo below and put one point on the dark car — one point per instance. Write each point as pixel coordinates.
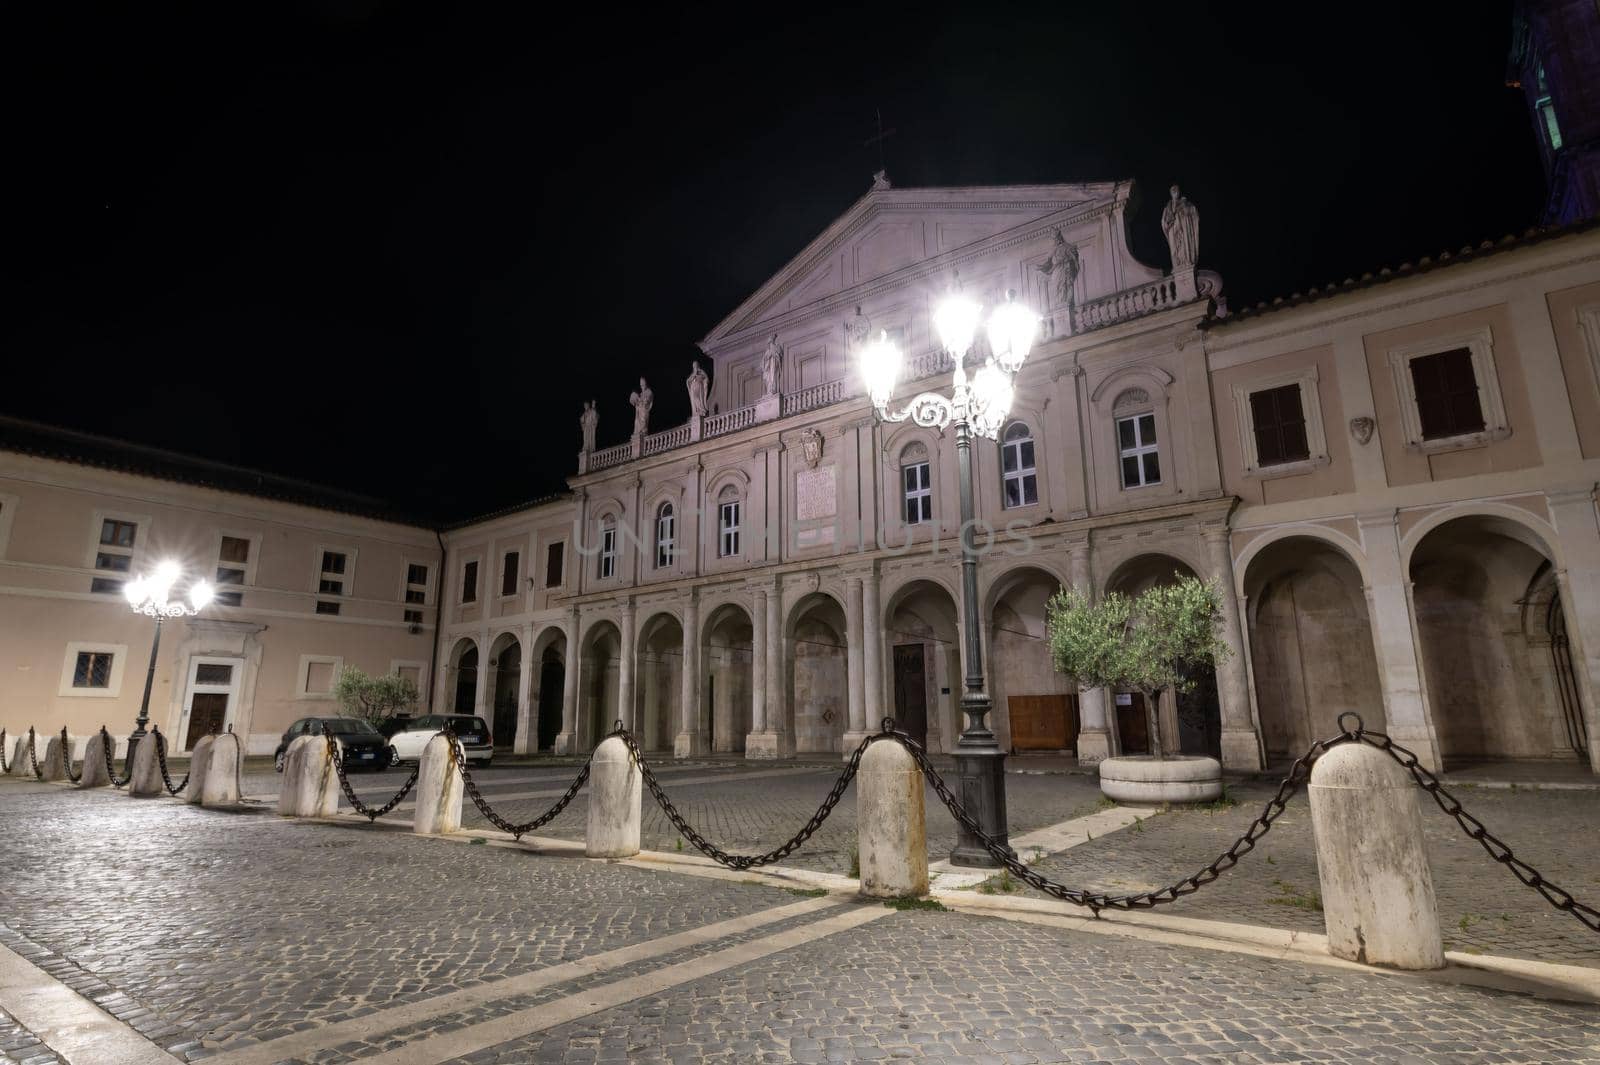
(362, 746)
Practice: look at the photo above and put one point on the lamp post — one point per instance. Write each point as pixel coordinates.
(151, 596)
(977, 406)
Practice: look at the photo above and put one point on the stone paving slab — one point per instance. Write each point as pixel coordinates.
(942, 987)
(1482, 906)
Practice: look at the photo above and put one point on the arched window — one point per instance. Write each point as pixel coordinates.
(1019, 477)
(916, 485)
(666, 538)
(728, 515)
(608, 548)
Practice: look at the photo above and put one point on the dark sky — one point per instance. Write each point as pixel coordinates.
(391, 248)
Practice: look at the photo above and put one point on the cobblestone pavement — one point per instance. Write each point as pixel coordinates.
(18, 1046)
(1482, 907)
(948, 988)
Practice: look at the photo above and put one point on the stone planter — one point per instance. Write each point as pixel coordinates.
(1176, 778)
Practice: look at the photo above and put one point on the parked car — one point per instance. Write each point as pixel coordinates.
(390, 725)
(361, 745)
(476, 741)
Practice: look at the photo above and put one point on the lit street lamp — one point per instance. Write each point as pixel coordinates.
(976, 406)
(150, 596)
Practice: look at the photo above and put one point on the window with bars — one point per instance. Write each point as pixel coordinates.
(728, 529)
(666, 536)
(331, 581)
(509, 572)
(1278, 418)
(1447, 394)
(1019, 477)
(1136, 446)
(608, 551)
(114, 555)
(918, 493)
(93, 669)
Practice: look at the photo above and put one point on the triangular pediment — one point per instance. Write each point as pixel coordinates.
(889, 231)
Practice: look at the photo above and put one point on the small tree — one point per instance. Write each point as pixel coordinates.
(374, 699)
(1149, 642)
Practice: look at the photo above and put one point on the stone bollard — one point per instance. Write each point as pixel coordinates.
(310, 783)
(616, 791)
(94, 763)
(1377, 891)
(438, 791)
(891, 823)
(145, 780)
(53, 765)
(199, 764)
(220, 785)
(18, 765)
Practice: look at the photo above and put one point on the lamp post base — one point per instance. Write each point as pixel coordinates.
(982, 789)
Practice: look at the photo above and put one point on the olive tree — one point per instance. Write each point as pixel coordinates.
(374, 699)
(1147, 642)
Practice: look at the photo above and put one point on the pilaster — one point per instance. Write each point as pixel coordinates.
(1241, 743)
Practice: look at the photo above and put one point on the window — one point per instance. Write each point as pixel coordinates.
(554, 560)
(918, 493)
(1136, 446)
(608, 551)
(469, 582)
(331, 580)
(326, 608)
(1279, 423)
(233, 565)
(508, 573)
(114, 554)
(1020, 481)
(93, 669)
(666, 536)
(1547, 111)
(728, 529)
(1447, 394)
(416, 591)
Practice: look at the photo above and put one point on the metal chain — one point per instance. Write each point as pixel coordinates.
(744, 861)
(161, 760)
(33, 757)
(370, 813)
(106, 746)
(458, 757)
(5, 767)
(66, 757)
(1556, 896)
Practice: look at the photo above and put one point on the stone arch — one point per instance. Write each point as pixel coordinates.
(1035, 707)
(1312, 653)
(1512, 522)
(1335, 539)
(815, 638)
(922, 628)
(726, 667)
(462, 676)
(598, 682)
(1492, 693)
(658, 687)
(547, 689)
(502, 675)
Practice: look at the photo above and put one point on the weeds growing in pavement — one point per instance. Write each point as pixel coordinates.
(1468, 920)
(806, 893)
(1104, 803)
(1225, 801)
(678, 846)
(917, 904)
(1293, 896)
(855, 857)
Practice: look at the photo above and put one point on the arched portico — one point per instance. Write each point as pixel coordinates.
(660, 681)
(726, 660)
(598, 683)
(924, 662)
(462, 676)
(818, 676)
(1036, 708)
(546, 691)
(504, 677)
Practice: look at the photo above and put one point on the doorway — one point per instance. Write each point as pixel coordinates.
(1132, 724)
(911, 691)
(208, 703)
(552, 679)
(507, 688)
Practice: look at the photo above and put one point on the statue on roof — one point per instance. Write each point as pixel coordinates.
(697, 390)
(641, 401)
(1063, 267)
(772, 365)
(588, 421)
(880, 181)
(1181, 223)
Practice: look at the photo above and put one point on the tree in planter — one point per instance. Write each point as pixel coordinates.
(1148, 642)
(374, 699)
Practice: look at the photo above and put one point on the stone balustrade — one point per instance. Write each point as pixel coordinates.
(730, 422)
(666, 440)
(605, 458)
(813, 397)
(1125, 305)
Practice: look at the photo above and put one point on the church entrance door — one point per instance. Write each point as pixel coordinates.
(910, 692)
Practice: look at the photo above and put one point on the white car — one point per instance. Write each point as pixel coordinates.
(476, 741)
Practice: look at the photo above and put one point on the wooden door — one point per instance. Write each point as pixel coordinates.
(1132, 723)
(207, 712)
(1043, 722)
(910, 692)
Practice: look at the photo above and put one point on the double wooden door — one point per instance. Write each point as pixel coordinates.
(1043, 722)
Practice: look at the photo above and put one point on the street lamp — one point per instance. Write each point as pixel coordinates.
(978, 405)
(151, 596)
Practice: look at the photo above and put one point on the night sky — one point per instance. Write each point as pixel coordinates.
(391, 248)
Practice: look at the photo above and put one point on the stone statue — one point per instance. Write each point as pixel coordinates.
(588, 421)
(697, 390)
(1064, 266)
(641, 401)
(772, 365)
(856, 330)
(880, 181)
(1181, 223)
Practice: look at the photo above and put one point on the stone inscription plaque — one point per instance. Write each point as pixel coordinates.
(815, 494)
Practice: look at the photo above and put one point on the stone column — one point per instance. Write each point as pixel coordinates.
(758, 669)
(856, 727)
(527, 737)
(1405, 696)
(567, 738)
(775, 740)
(625, 668)
(649, 729)
(872, 650)
(691, 739)
(1578, 531)
(480, 691)
(1094, 738)
(1241, 746)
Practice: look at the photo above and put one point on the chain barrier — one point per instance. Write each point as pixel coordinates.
(106, 747)
(744, 861)
(369, 812)
(33, 756)
(161, 760)
(5, 767)
(66, 757)
(458, 758)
